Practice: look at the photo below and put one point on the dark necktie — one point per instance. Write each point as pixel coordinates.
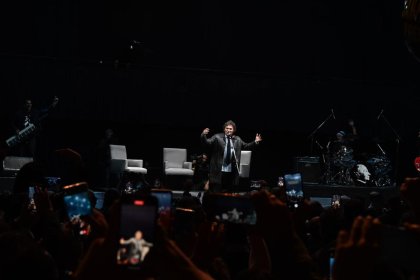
(228, 154)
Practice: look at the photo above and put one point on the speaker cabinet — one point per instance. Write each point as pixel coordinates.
(310, 169)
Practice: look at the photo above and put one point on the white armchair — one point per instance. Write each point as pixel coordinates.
(12, 164)
(175, 162)
(120, 163)
(245, 167)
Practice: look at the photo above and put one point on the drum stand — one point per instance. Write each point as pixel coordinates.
(327, 176)
(311, 136)
(342, 177)
(336, 173)
(397, 146)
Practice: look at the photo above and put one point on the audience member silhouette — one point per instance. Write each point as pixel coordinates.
(284, 244)
(201, 171)
(22, 257)
(102, 158)
(69, 166)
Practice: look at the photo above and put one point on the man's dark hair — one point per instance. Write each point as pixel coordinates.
(230, 122)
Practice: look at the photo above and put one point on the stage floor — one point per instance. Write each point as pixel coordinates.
(319, 191)
(322, 190)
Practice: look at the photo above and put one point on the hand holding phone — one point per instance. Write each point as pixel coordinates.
(336, 201)
(138, 215)
(31, 204)
(400, 247)
(76, 200)
(184, 222)
(229, 208)
(164, 198)
(294, 189)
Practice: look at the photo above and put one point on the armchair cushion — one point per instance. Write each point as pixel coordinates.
(179, 171)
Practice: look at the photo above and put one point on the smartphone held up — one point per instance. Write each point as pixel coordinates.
(294, 189)
(229, 208)
(138, 216)
(76, 200)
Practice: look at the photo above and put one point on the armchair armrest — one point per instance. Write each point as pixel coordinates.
(187, 165)
(134, 163)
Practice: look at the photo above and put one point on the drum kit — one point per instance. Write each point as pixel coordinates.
(341, 168)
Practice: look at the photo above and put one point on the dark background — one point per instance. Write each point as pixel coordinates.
(159, 72)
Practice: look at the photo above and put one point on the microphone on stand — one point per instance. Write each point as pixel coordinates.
(380, 114)
(236, 160)
(332, 112)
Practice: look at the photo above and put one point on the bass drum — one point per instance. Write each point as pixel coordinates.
(381, 165)
(361, 175)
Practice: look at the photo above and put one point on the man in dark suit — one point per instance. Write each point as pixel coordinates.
(225, 156)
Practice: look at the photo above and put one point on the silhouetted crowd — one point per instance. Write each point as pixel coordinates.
(355, 238)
